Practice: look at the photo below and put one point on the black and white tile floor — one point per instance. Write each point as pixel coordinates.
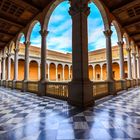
(25, 116)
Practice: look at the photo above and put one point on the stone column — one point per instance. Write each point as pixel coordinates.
(134, 65)
(16, 50)
(63, 74)
(129, 63)
(3, 67)
(42, 82)
(38, 71)
(122, 73)
(9, 67)
(110, 80)
(56, 74)
(26, 66)
(69, 72)
(101, 72)
(120, 45)
(80, 88)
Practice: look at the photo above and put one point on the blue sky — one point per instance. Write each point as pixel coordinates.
(60, 30)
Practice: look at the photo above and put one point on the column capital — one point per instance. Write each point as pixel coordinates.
(128, 49)
(16, 50)
(8, 54)
(3, 58)
(43, 33)
(108, 33)
(79, 7)
(134, 54)
(27, 43)
(120, 43)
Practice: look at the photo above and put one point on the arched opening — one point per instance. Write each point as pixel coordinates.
(52, 72)
(33, 71)
(97, 72)
(116, 71)
(96, 39)
(104, 71)
(126, 69)
(90, 72)
(34, 49)
(21, 63)
(12, 70)
(60, 72)
(21, 45)
(66, 73)
(59, 40)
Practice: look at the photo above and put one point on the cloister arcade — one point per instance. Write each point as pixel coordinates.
(70, 80)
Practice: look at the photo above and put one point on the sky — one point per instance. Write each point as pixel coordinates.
(60, 30)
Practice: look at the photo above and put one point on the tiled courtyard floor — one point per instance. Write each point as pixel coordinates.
(25, 116)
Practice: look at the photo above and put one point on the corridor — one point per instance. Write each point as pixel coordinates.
(25, 116)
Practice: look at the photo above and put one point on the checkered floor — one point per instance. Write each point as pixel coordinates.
(24, 116)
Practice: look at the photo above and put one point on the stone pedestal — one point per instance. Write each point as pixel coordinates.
(80, 93)
(42, 82)
(111, 87)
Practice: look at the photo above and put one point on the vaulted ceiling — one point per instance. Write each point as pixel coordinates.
(16, 14)
(127, 13)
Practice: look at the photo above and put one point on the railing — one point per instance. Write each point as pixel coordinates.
(32, 86)
(57, 90)
(118, 85)
(19, 85)
(100, 89)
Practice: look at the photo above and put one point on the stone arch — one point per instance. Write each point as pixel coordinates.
(18, 39)
(104, 68)
(103, 12)
(118, 30)
(126, 37)
(11, 47)
(33, 70)
(6, 50)
(55, 3)
(29, 31)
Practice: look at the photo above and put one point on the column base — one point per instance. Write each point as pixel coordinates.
(81, 93)
(138, 82)
(24, 85)
(42, 88)
(14, 84)
(111, 87)
(123, 84)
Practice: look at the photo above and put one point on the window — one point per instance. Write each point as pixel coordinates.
(98, 76)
